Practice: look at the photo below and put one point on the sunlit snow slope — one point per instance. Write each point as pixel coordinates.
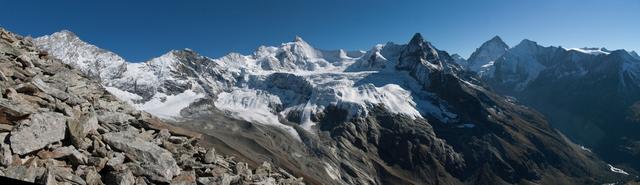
(293, 82)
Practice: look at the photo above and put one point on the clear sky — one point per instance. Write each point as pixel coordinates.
(142, 30)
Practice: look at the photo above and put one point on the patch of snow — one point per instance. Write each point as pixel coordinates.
(585, 148)
(169, 106)
(617, 170)
(123, 95)
(591, 51)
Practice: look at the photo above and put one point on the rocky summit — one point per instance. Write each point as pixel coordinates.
(59, 127)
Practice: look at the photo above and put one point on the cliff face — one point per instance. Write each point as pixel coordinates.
(59, 127)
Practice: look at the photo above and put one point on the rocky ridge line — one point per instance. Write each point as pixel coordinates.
(58, 127)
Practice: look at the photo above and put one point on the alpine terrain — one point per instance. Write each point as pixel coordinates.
(395, 114)
(591, 94)
(59, 127)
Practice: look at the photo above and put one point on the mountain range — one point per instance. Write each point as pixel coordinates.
(395, 114)
(59, 127)
(590, 94)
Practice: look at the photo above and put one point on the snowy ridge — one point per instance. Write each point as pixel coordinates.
(592, 51)
(273, 83)
(88, 58)
(525, 62)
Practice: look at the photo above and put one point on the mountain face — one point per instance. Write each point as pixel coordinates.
(59, 127)
(591, 94)
(482, 60)
(396, 114)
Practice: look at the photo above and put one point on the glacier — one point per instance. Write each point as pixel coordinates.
(271, 86)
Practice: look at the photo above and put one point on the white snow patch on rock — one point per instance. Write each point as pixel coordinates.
(617, 170)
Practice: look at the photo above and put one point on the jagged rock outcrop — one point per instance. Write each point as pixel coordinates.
(59, 127)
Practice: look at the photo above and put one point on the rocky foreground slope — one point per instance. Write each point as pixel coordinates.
(396, 114)
(58, 127)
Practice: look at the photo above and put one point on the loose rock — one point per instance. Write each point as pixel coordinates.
(40, 130)
(158, 162)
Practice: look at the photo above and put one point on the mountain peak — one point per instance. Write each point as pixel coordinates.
(298, 39)
(416, 39)
(489, 51)
(496, 39)
(527, 41)
(64, 33)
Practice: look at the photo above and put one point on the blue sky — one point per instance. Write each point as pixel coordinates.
(141, 30)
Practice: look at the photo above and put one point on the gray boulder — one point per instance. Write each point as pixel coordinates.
(44, 87)
(37, 132)
(24, 173)
(120, 178)
(15, 109)
(114, 117)
(158, 163)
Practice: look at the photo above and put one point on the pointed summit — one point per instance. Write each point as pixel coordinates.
(301, 42)
(496, 38)
(498, 41)
(482, 59)
(416, 39)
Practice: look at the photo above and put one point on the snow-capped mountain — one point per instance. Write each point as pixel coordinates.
(162, 86)
(588, 93)
(482, 59)
(89, 59)
(398, 113)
